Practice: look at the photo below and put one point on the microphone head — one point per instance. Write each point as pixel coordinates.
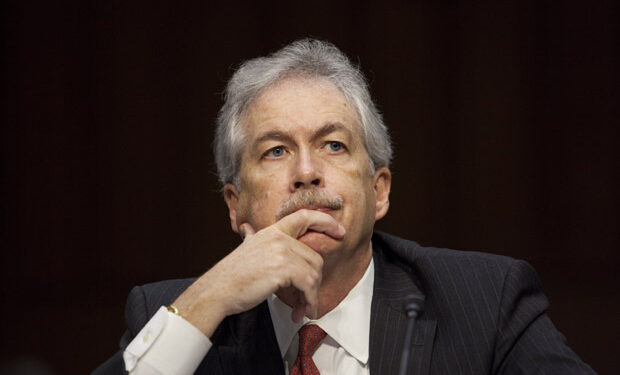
(414, 304)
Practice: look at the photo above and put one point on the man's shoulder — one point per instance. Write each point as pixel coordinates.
(444, 276)
(439, 263)
(413, 251)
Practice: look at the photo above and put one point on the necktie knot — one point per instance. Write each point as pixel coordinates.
(310, 337)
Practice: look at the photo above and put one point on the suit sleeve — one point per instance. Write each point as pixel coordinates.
(160, 344)
(136, 317)
(528, 342)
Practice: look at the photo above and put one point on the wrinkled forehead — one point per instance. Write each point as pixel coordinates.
(314, 100)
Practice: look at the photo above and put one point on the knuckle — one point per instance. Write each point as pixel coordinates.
(319, 261)
(257, 237)
(305, 214)
(314, 280)
(281, 281)
(276, 234)
(278, 258)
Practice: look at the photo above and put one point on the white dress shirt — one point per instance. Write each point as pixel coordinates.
(345, 348)
(169, 345)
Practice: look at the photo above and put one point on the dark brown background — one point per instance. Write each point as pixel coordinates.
(504, 119)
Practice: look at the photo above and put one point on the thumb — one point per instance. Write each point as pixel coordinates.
(246, 230)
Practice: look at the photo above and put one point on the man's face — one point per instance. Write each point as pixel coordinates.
(303, 140)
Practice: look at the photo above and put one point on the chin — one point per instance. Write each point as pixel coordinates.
(319, 242)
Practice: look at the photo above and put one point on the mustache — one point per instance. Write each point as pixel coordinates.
(309, 198)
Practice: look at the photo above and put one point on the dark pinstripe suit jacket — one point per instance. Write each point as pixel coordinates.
(484, 314)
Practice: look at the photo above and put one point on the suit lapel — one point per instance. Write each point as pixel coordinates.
(253, 348)
(394, 283)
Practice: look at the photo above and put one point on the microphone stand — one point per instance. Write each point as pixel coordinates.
(413, 308)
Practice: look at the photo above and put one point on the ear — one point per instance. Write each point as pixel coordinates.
(382, 184)
(231, 196)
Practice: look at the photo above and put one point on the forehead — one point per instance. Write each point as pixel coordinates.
(303, 103)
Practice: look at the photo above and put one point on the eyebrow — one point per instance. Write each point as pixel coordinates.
(330, 128)
(273, 134)
(321, 132)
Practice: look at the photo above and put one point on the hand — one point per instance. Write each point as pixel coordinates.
(266, 261)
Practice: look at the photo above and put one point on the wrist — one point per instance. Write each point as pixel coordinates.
(204, 312)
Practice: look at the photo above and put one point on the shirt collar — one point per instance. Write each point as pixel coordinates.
(348, 323)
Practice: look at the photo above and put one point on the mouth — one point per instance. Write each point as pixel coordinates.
(310, 200)
(316, 208)
(315, 238)
(325, 209)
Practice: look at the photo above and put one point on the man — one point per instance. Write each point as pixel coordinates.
(303, 156)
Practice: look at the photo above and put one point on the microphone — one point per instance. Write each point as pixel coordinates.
(414, 305)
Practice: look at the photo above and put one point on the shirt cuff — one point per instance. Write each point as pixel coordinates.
(168, 344)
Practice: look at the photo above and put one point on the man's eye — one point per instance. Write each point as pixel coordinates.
(335, 146)
(276, 152)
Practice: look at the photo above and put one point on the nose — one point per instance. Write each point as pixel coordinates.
(307, 171)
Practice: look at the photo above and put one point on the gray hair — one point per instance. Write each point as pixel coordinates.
(303, 58)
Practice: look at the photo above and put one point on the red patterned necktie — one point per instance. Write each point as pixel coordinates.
(309, 338)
